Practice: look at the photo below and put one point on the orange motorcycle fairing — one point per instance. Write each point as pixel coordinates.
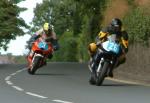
(35, 49)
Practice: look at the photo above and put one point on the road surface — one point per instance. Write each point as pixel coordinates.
(64, 83)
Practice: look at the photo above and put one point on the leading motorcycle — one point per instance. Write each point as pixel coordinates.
(104, 60)
(40, 50)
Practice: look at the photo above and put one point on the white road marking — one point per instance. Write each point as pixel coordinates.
(60, 101)
(18, 88)
(9, 82)
(36, 95)
(19, 71)
(7, 78)
(13, 74)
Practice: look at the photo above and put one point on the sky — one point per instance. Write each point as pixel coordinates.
(17, 47)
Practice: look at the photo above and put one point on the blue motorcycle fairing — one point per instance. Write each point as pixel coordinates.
(112, 46)
(43, 45)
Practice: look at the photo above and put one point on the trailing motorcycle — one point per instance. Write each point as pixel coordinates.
(40, 50)
(104, 60)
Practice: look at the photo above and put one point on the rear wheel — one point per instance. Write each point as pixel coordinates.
(35, 65)
(102, 74)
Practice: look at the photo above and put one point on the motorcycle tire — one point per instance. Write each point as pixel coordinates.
(35, 65)
(101, 76)
(92, 79)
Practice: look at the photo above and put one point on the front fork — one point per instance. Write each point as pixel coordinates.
(95, 63)
(29, 58)
(42, 59)
(100, 66)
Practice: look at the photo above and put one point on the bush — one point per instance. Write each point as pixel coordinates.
(137, 23)
(68, 48)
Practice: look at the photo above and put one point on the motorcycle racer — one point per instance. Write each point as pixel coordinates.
(115, 27)
(47, 31)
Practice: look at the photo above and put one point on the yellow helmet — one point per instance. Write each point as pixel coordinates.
(46, 26)
(92, 47)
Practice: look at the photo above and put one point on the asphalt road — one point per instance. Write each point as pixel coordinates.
(64, 83)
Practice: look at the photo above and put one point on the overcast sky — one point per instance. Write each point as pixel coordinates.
(17, 47)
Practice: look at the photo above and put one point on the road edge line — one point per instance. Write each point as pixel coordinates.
(126, 81)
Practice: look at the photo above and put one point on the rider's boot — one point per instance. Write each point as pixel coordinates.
(50, 56)
(111, 73)
(44, 63)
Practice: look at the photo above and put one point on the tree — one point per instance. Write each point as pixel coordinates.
(16, 1)
(80, 18)
(54, 12)
(11, 25)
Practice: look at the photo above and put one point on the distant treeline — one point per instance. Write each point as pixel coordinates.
(77, 22)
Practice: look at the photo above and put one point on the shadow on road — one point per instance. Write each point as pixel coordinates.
(51, 74)
(119, 85)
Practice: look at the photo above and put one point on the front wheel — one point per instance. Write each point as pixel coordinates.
(35, 65)
(92, 79)
(102, 74)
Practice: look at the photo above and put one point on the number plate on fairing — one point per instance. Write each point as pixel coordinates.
(111, 46)
(43, 45)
